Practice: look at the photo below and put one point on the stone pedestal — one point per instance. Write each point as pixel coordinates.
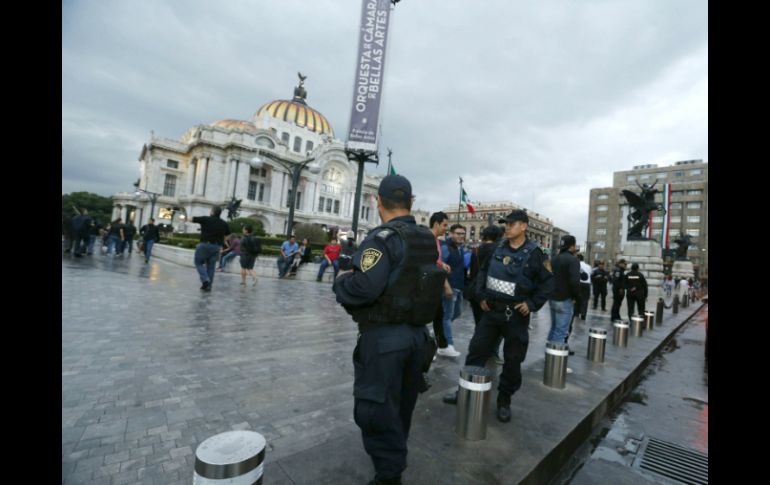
(683, 269)
(647, 255)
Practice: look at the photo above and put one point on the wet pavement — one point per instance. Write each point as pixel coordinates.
(669, 406)
(152, 366)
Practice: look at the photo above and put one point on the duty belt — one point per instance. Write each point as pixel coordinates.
(501, 286)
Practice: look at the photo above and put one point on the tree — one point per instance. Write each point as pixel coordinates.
(236, 225)
(313, 232)
(99, 208)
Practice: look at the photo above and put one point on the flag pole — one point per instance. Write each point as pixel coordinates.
(459, 204)
(390, 152)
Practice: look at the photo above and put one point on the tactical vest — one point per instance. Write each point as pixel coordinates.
(414, 289)
(506, 279)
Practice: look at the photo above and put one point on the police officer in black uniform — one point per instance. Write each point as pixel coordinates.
(392, 291)
(599, 278)
(636, 290)
(618, 282)
(514, 283)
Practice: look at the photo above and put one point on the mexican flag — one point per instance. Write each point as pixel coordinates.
(392, 170)
(467, 202)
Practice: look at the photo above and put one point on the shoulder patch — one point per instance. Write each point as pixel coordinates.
(385, 233)
(370, 258)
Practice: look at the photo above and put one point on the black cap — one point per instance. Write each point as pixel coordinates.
(515, 215)
(568, 241)
(395, 187)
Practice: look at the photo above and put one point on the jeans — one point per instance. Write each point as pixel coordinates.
(226, 259)
(284, 265)
(127, 244)
(206, 256)
(452, 309)
(91, 241)
(113, 245)
(325, 264)
(561, 316)
(148, 248)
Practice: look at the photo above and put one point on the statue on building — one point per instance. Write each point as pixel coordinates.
(683, 243)
(642, 205)
(299, 92)
(232, 208)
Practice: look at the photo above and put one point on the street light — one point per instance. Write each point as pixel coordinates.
(294, 170)
(153, 198)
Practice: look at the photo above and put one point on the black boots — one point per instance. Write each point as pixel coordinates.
(503, 409)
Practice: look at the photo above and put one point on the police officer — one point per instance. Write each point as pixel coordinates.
(599, 278)
(636, 290)
(618, 281)
(514, 283)
(393, 290)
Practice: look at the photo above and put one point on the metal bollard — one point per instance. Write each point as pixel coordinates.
(659, 312)
(620, 337)
(686, 301)
(233, 457)
(649, 322)
(473, 402)
(637, 326)
(555, 373)
(675, 305)
(597, 340)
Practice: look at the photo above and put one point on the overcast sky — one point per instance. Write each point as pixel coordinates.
(534, 102)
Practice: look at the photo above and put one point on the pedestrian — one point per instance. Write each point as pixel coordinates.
(617, 279)
(213, 232)
(250, 249)
(81, 226)
(330, 258)
(452, 255)
(305, 255)
(599, 278)
(581, 309)
(668, 286)
(129, 231)
(346, 253)
(490, 237)
(636, 291)
(150, 235)
(566, 276)
(115, 238)
(289, 249)
(515, 283)
(232, 249)
(439, 222)
(391, 292)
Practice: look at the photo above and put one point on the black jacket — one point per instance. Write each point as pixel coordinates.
(636, 284)
(566, 275)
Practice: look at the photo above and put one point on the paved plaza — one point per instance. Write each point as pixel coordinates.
(152, 366)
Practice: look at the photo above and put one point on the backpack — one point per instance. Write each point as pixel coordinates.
(251, 245)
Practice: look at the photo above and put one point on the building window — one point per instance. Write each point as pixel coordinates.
(299, 200)
(694, 192)
(321, 204)
(336, 207)
(603, 196)
(661, 175)
(676, 219)
(676, 205)
(601, 232)
(657, 220)
(601, 220)
(677, 193)
(261, 196)
(172, 164)
(693, 205)
(601, 208)
(656, 233)
(169, 186)
(645, 176)
(252, 195)
(697, 171)
(328, 205)
(693, 219)
(679, 174)
(297, 144)
(285, 137)
(693, 232)
(631, 178)
(599, 244)
(309, 146)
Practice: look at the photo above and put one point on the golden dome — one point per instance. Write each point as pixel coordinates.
(298, 113)
(246, 126)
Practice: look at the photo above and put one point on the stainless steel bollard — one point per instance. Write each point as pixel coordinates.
(637, 326)
(649, 320)
(473, 402)
(620, 337)
(675, 305)
(555, 373)
(659, 312)
(232, 457)
(686, 301)
(597, 340)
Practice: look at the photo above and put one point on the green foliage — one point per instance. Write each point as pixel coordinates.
(99, 207)
(236, 225)
(311, 231)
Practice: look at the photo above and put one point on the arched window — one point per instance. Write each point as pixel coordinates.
(297, 144)
(285, 137)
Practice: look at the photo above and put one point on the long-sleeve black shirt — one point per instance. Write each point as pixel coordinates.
(213, 229)
(566, 275)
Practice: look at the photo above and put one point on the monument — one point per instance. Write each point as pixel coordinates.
(682, 268)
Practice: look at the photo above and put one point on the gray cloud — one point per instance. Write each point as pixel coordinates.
(533, 102)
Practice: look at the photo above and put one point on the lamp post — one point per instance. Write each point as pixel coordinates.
(153, 198)
(294, 169)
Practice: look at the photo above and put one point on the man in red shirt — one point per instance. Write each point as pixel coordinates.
(331, 253)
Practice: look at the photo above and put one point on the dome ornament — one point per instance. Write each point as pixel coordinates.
(300, 94)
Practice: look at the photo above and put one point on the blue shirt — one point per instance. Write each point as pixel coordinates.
(289, 248)
(453, 256)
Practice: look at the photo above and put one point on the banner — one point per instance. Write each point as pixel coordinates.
(370, 69)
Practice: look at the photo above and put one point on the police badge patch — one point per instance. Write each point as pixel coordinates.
(370, 258)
